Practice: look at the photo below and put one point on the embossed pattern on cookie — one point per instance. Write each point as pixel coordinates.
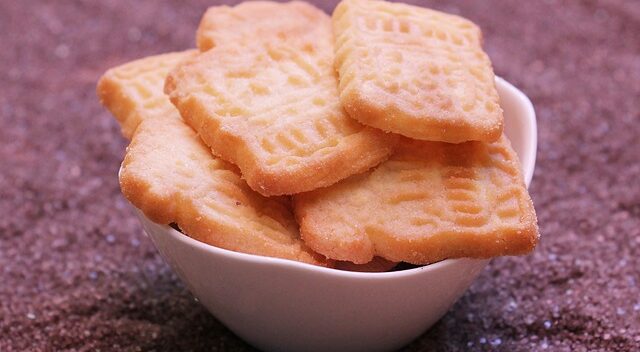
(133, 91)
(272, 108)
(414, 71)
(430, 201)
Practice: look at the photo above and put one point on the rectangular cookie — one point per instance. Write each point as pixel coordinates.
(416, 72)
(272, 108)
(248, 21)
(171, 176)
(430, 201)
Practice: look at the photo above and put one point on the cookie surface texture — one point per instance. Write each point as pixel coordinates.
(172, 177)
(272, 108)
(430, 201)
(416, 72)
(133, 91)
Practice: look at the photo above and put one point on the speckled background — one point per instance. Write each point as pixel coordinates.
(77, 273)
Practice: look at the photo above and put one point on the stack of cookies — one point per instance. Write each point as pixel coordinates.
(355, 141)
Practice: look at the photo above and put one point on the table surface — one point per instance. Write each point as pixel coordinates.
(77, 273)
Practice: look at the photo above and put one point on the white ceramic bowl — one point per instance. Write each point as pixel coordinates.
(282, 305)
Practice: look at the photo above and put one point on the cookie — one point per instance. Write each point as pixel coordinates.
(272, 108)
(267, 20)
(416, 72)
(376, 265)
(172, 177)
(133, 91)
(430, 201)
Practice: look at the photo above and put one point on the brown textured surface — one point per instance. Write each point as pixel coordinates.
(77, 273)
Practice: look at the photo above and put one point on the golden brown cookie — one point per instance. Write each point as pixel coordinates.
(267, 20)
(414, 71)
(272, 108)
(134, 90)
(430, 201)
(172, 177)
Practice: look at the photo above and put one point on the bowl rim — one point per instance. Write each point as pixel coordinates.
(530, 123)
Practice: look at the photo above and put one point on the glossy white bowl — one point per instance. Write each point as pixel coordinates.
(282, 305)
